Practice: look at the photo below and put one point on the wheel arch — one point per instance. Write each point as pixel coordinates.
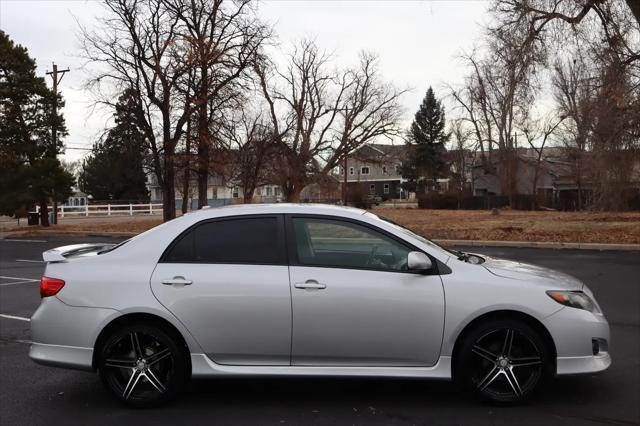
(504, 314)
(137, 318)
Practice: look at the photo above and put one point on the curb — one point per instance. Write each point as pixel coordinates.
(540, 244)
(462, 243)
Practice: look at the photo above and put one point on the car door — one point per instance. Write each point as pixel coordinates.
(227, 281)
(354, 301)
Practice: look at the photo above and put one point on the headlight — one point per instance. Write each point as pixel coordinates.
(575, 299)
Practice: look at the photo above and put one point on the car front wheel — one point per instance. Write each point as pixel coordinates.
(143, 366)
(503, 361)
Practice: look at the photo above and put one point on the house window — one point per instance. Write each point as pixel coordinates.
(364, 171)
(384, 169)
(372, 189)
(397, 169)
(386, 188)
(268, 191)
(276, 191)
(350, 170)
(236, 192)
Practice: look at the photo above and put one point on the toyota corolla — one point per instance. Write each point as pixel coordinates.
(308, 290)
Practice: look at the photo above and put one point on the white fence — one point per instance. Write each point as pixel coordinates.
(108, 209)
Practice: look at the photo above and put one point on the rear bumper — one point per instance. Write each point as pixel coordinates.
(64, 335)
(62, 356)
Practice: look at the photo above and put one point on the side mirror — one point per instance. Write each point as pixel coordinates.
(418, 261)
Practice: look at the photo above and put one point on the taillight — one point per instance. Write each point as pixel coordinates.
(50, 286)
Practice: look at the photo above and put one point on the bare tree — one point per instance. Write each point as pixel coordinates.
(249, 147)
(319, 115)
(135, 47)
(221, 39)
(461, 134)
(550, 18)
(497, 98)
(574, 94)
(538, 133)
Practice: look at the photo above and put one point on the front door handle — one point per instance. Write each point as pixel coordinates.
(179, 281)
(310, 285)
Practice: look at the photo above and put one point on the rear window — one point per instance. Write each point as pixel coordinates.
(245, 240)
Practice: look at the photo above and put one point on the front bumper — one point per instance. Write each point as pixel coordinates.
(64, 335)
(573, 331)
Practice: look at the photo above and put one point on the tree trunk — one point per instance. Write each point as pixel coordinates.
(186, 171)
(247, 195)
(44, 213)
(203, 140)
(294, 196)
(168, 190)
(185, 189)
(203, 173)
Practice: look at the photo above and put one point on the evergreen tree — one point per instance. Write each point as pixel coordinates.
(115, 168)
(31, 172)
(426, 142)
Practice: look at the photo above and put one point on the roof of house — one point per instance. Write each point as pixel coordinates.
(378, 151)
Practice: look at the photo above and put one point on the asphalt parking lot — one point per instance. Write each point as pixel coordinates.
(31, 394)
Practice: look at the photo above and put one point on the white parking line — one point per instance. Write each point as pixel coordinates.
(18, 278)
(19, 282)
(23, 241)
(14, 317)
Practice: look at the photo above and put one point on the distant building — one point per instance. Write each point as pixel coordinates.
(78, 198)
(374, 169)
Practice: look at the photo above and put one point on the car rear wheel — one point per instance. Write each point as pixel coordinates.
(143, 366)
(503, 361)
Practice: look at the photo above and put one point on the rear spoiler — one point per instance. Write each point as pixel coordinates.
(60, 254)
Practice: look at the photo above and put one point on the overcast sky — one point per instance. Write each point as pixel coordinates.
(418, 43)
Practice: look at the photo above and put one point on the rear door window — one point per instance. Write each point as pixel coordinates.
(253, 240)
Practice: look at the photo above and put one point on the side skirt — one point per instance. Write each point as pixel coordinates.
(202, 367)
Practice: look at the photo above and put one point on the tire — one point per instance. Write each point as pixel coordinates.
(143, 365)
(503, 361)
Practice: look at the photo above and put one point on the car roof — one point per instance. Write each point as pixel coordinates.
(278, 208)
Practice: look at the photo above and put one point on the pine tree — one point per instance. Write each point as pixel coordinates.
(115, 168)
(31, 172)
(426, 142)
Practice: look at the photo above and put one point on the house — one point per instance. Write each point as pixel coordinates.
(552, 180)
(374, 169)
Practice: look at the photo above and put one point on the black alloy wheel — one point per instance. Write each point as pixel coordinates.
(143, 366)
(503, 361)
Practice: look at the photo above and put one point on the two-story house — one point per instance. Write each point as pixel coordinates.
(374, 169)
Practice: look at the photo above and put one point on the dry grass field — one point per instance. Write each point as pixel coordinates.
(508, 225)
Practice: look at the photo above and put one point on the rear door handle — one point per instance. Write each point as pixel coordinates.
(310, 285)
(177, 281)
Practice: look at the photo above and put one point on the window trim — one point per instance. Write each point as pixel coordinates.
(362, 170)
(386, 188)
(282, 240)
(292, 251)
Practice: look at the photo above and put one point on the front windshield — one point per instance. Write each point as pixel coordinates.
(410, 233)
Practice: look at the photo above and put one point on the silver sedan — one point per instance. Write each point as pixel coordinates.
(308, 290)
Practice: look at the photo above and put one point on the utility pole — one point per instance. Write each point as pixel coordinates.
(56, 75)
